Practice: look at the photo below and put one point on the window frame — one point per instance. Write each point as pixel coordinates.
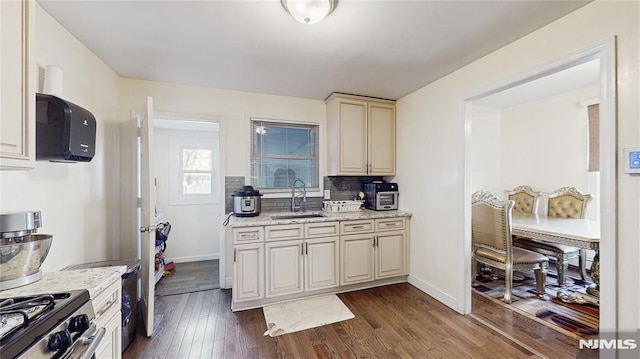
(312, 191)
(179, 142)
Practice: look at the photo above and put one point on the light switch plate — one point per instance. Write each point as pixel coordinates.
(631, 160)
(327, 194)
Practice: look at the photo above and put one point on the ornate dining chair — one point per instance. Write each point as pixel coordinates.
(566, 202)
(526, 199)
(491, 239)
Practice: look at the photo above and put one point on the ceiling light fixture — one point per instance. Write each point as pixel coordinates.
(309, 11)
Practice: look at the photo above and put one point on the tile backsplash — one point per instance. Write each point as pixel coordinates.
(342, 188)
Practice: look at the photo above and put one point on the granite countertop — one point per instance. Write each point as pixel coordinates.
(265, 218)
(94, 279)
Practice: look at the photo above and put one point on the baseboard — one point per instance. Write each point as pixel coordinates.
(228, 283)
(205, 257)
(434, 292)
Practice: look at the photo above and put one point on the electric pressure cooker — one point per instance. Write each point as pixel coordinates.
(246, 202)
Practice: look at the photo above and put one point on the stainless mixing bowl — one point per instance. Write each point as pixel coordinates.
(22, 257)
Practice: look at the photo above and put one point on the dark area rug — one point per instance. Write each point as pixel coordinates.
(189, 277)
(581, 320)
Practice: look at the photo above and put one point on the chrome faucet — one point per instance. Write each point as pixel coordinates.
(293, 196)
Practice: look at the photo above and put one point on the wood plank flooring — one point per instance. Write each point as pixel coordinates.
(190, 277)
(396, 321)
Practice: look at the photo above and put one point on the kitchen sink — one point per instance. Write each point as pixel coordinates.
(298, 216)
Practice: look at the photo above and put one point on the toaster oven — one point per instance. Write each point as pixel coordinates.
(381, 196)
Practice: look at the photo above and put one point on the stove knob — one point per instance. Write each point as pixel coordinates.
(59, 341)
(79, 323)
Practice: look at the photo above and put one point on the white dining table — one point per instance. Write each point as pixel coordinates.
(575, 232)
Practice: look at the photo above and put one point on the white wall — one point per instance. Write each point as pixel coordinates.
(541, 144)
(436, 177)
(544, 144)
(486, 150)
(231, 108)
(195, 235)
(79, 202)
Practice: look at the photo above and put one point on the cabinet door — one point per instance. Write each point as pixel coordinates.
(17, 85)
(356, 263)
(321, 263)
(111, 345)
(382, 139)
(390, 254)
(353, 137)
(284, 267)
(248, 278)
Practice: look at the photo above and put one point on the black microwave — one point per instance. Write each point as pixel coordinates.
(381, 196)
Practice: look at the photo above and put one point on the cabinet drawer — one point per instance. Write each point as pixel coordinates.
(248, 234)
(109, 298)
(385, 224)
(352, 227)
(323, 229)
(284, 232)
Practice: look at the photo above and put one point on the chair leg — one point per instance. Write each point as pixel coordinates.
(508, 281)
(582, 259)
(562, 266)
(541, 279)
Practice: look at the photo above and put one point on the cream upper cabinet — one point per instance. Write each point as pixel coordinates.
(17, 85)
(361, 136)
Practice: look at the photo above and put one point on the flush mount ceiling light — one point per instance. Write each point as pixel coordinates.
(309, 11)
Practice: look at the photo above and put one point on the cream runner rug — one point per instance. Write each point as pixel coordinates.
(301, 314)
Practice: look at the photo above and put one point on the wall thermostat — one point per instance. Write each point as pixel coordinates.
(632, 160)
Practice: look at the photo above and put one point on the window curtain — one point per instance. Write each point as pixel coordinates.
(594, 137)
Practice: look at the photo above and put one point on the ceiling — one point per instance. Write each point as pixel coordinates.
(384, 49)
(585, 75)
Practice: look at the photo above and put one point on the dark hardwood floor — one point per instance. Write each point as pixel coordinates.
(396, 321)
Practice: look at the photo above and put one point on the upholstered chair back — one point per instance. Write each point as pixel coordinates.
(526, 199)
(567, 202)
(491, 221)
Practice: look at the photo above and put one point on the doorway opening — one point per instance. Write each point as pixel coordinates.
(188, 189)
(478, 108)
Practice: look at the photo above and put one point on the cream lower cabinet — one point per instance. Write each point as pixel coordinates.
(248, 279)
(357, 258)
(248, 264)
(285, 271)
(107, 306)
(278, 262)
(321, 263)
(390, 254)
(294, 266)
(376, 255)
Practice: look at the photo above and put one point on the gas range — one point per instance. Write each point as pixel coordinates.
(57, 325)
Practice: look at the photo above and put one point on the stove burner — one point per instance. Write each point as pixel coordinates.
(15, 313)
(24, 321)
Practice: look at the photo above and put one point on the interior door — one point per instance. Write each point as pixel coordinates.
(148, 215)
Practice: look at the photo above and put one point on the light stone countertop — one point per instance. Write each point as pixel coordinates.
(265, 218)
(94, 279)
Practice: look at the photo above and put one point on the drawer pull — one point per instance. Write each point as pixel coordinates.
(106, 307)
(391, 224)
(249, 236)
(357, 227)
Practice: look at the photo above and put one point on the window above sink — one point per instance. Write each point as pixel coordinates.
(282, 152)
